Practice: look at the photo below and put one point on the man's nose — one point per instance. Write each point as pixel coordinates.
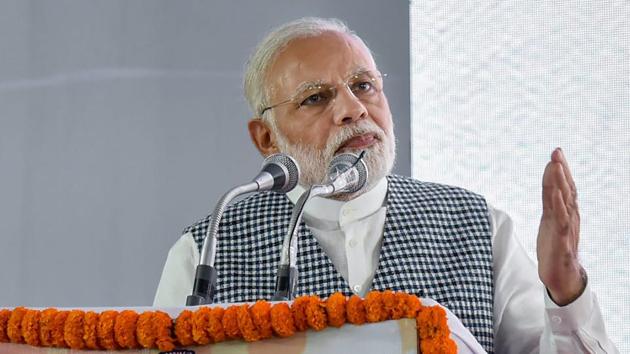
(348, 108)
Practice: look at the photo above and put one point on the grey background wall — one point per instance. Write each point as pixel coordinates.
(122, 122)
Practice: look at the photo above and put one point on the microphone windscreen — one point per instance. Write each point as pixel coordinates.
(342, 162)
(290, 175)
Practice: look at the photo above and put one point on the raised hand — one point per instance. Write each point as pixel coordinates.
(559, 233)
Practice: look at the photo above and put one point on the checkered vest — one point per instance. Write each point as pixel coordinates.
(436, 243)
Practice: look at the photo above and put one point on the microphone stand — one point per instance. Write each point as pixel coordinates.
(286, 278)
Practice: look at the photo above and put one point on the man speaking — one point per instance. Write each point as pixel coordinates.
(316, 91)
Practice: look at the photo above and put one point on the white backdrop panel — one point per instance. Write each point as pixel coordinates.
(496, 85)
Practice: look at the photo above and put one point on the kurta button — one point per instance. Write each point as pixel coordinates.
(556, 319)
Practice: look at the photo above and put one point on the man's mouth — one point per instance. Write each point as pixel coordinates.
(359, 142)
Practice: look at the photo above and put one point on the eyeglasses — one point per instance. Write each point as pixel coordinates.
(314, 98)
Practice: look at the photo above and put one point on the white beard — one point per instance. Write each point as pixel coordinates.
(314, 162)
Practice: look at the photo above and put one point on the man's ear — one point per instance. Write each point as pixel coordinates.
(261, 136)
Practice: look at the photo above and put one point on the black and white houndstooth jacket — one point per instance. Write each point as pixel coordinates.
(436, 243)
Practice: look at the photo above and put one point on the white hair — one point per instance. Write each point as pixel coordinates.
(256, 88)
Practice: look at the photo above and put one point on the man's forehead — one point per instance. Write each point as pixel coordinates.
(321, 81)
(327, 58)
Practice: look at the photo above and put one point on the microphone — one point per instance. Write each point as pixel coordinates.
(279, 173)
(347, 173)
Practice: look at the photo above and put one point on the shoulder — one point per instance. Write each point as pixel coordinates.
(430, 191)
(245, 209)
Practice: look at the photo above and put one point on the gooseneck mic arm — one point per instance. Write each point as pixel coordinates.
(287, 275)
(347, 174)
(206, 275)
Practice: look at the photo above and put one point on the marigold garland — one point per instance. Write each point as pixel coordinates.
(230, 323)
(374, 309)
(282, 320)
(200, 321)
(336, 309)
(316, 313)
(125, 329)
(163, 325)
(355, 310)
(431, 322)
(412, 305)
(57, 331)
(215, 326)
(144, 330)
(30, 327)
(392, 306)
(105, 330)
(4, 321)
(90, 324)
(113, 330)
(183, 328)
(246, 324)
(73, 330)
(261, 316)
(46, 326)
(298, 308)
(14, 328)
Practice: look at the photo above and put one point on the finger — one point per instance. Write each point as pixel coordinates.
(568, 193)
(553, 179)
(560, 157)
(548, 188)
(560, 211)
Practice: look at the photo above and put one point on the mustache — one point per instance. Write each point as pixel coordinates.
(351, 131)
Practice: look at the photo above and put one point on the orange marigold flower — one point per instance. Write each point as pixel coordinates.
(30, 327)
(4, 321)
(73, 330)
(144, 330)
(105, 330)
(431, 322)
(394, 305)
(355, 310)
(230, 323)
(162, 324)
(412, 305)
(438, 345)
(282, 320)
(336, 309)
(90, 324)
(14, 326)
(57, 332)
(46, 321)
(246, 324)
(298, 308)
(316, 313)
(125, 329)
(261, 315)
(374, 310)
(215, 327)
(183, 328)
(200, 321)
